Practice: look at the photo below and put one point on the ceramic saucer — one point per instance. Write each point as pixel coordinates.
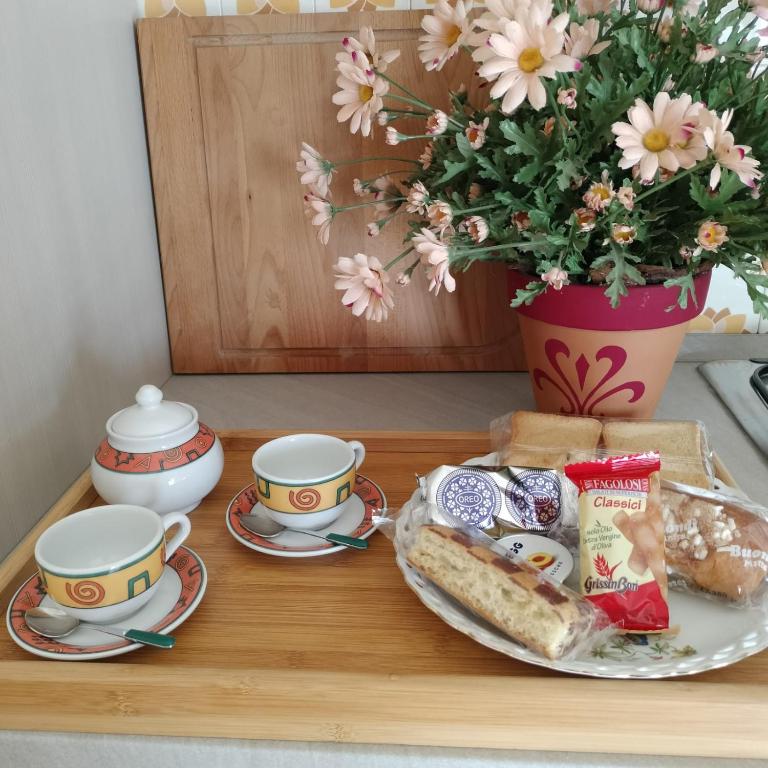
(356, 520)
(179, 592)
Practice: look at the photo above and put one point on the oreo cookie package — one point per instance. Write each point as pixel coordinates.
(502, 498)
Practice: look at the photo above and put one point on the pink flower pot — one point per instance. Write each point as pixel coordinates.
(586, 358)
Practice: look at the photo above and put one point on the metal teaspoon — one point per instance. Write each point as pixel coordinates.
(268, 529)
(54, 623)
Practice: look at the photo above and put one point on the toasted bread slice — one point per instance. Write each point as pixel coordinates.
(678, 442)
(550, 430)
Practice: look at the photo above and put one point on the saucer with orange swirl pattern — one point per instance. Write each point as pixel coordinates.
(179, 591)
(356, 520)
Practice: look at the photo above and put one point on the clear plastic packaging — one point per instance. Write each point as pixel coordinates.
(526, 438)
(716, 545)
(499, 500)
(492, 584)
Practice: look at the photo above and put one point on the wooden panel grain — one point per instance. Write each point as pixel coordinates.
(337, 648)
(248, 287)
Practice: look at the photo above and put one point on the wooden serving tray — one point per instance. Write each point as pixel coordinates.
(337, 648)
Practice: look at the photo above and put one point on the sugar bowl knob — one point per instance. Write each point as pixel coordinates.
(149, 396)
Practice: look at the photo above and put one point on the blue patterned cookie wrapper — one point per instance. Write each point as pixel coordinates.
(484, 497)
(471, 495)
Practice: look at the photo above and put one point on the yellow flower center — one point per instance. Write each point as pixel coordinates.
(365, 93)
(601, 191)
(530, 60)
(452, 35)
(655, 140)
(709, 233)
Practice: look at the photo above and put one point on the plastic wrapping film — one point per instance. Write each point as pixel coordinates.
(525, 438)
(501, 500)
(716, 545)
(493, 584)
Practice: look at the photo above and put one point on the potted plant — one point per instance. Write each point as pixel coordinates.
(613, 162)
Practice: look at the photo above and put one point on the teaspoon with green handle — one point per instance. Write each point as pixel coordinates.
(268, 529)
(54, 623)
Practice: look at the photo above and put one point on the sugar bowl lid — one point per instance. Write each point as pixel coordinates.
(152, 424)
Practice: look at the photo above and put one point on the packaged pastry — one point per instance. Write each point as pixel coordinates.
(495, 584)
(497, 499)
(527, 438)
(715, 544)
(621, 539)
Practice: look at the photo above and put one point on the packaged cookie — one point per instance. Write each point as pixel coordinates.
(497, 500)
(621, 539)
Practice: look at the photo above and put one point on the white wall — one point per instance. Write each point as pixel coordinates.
(82, 319)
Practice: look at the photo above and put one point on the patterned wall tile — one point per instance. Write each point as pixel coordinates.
(325, 6)
(251, 7)
(729, 309)
(158, 8)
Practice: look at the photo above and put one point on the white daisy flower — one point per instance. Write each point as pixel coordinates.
(727, 153)
(392, 136)
(387, 195)
(475, 132)
(556, 277)
(434, 256)
(567, 97)
(440, 216)
(476, 227)
(364, 282)
(650, 6)
(623, 234)
(711, 236)
(705, 53)
(379, 60)
(425, 158)
(626, 196)
(447, 29)
(475, 191)
(594, 7)
(437, 123)
(600, 193)
(360, 96)
(418, 199)
(314, 169)
(524, 53)
(320, 209)
(663, 138)
(581, 40)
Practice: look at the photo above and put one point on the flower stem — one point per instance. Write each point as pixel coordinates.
(418, 103)
(474, 210)
(502, 247)
(339, 208)
(339, 163)
(394, 261)
(657, 187)
(405, 91)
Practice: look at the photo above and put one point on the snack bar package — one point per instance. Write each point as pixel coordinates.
(527, 438)
(497, 500)
(716, 545)
(491, 582)
(621, 539)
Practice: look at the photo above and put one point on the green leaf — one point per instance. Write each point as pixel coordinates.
(463, 145)
(523, 140)
(566, 170)
(528, 172)
(685, 284)
(453, 169)
(730, 184)
(529, 293)
(489, 170)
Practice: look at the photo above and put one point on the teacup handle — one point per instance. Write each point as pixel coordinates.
(175, 518)
(359, 450)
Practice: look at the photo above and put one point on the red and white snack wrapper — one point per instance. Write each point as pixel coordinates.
(621, 538)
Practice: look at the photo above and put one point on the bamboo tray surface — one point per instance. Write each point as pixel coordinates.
(337, 648)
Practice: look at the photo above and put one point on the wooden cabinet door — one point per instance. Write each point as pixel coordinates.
(248, 287)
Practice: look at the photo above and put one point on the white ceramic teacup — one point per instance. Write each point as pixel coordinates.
(305, 481)
(104, 563)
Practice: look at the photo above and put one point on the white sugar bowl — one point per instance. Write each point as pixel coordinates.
(157, 454)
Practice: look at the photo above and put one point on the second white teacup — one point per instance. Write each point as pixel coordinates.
(306, 481)
(104, 563)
